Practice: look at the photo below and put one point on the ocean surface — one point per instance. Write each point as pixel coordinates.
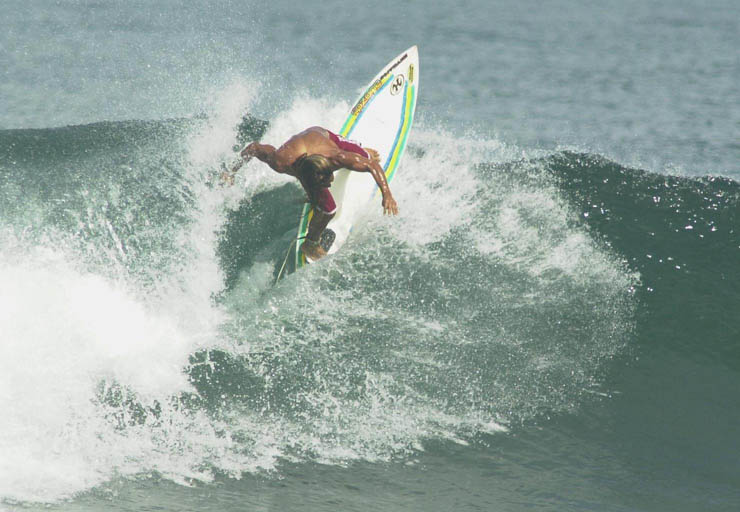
(551, 323)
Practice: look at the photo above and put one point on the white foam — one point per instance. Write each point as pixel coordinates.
(68, 335)
(64, 331)
(213, 142)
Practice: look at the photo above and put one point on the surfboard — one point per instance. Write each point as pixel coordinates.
(380, 119)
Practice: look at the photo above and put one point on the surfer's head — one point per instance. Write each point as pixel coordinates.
(316, 170)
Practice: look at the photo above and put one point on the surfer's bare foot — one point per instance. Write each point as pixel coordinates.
(312, 250)
(374, 155)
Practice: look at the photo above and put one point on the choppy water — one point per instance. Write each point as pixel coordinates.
(549, 324)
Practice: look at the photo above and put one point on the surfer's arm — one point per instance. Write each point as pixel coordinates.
(357, 163)
(246, 154)
(264, 152)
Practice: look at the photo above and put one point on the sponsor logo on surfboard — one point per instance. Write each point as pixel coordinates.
(397, 85)
(376, 85)
(411, 74)
(366, 97)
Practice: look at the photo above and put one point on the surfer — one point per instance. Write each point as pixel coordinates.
(312, 156)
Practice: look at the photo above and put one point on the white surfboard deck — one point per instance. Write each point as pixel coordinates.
(380, 119)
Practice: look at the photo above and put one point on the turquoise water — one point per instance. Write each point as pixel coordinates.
(549, 324)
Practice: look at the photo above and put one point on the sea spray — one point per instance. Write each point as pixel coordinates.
(64, 332)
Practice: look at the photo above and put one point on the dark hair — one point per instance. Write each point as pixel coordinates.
(312, 165)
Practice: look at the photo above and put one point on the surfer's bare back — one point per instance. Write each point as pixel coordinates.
(312, 156)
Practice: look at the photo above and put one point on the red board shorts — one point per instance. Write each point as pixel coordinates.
(348, 145)
(323, 201)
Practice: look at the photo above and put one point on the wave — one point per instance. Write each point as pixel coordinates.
(680, 234)
(499, 296)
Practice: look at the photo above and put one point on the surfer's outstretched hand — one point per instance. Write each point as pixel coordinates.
(246, 154)
(227, 176)
(390, 207)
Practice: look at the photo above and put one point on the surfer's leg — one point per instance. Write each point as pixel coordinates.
(323, 211)
(318, 224)
(310, 246)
